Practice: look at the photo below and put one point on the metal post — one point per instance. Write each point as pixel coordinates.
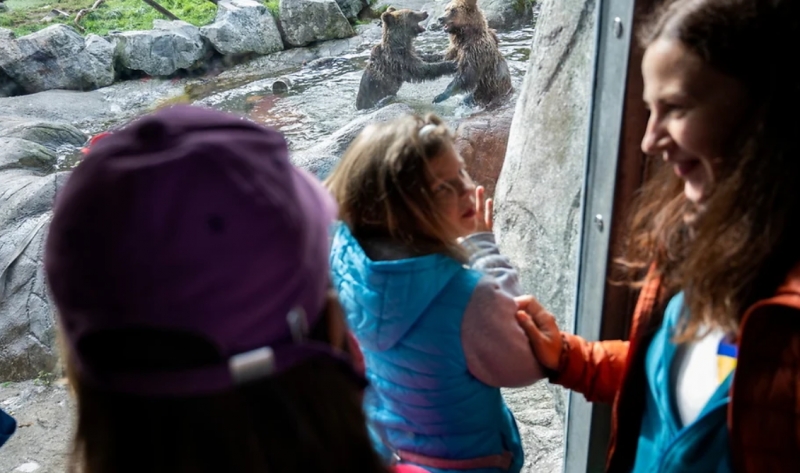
(588, 425)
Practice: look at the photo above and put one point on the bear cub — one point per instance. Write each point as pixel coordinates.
(482, 69)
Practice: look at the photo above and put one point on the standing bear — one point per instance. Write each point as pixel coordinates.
(395, 60)
(482, 69)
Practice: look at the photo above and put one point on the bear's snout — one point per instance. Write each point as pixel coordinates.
(441, 20)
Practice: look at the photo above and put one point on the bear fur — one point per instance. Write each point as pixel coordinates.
(394, 60)
(482, 69)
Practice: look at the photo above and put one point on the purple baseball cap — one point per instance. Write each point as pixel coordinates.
(194, 220)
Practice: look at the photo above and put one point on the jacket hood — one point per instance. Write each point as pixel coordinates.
(384, 299)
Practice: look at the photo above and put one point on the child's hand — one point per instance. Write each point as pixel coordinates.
(484, 209)
(542, 331)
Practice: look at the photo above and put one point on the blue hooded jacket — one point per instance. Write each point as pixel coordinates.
(407, 315)
(665, 445)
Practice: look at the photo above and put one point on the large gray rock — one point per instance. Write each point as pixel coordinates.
(502, 15)
(56, 57)
(169, 46)
(29, 183)
(538, 194)
(306, 21)
(321, 158)
(243, 26)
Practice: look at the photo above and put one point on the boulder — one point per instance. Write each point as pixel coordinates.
(243, 26)
(29, 183)
(306, 21)
(168, 47)
(351, 8)
(321, 158)
(539, 193)
(502, 15)
(56, 57)
(481, 140)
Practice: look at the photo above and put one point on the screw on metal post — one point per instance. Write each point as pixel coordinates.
(598, 221)
(618, 27)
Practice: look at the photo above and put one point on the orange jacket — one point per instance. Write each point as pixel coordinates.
(764, 413)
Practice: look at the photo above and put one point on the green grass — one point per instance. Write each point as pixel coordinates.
(24, 16)
(272, 6)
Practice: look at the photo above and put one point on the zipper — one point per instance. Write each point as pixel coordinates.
(723, 403)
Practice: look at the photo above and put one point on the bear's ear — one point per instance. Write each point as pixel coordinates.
(391, 9)
(471, 3)
(387, 18)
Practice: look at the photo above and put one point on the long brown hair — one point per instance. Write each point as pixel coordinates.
(306, 419)
(382, 185)
(740, 247)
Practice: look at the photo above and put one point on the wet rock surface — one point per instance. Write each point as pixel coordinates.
(27, 160)
(321, 158)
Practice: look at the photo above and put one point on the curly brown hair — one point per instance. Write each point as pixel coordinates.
(740, 247)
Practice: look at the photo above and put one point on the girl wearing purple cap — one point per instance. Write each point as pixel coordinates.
(439, 337)
(188, 261)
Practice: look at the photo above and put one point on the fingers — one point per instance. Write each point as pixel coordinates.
(479, 205)
(531, 330)
(529, 304)
(488, 215)
(543, 319)
(523, 302)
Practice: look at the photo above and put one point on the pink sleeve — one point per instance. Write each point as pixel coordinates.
(355, 353)
(495, 346)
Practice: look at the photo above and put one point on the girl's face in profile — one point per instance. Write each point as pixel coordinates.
(694, 110)
(454, 192)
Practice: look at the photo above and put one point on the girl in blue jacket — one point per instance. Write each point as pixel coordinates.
(439, 337)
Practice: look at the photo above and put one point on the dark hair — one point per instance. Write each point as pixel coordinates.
(744, 242)
(306, 419)
(382, 185)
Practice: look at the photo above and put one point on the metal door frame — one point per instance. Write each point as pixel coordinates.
(588, 425)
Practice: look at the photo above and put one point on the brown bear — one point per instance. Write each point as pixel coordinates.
(482, 69)
(395, 60)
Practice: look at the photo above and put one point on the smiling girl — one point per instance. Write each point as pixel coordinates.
(709, 379)
(439, 338)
